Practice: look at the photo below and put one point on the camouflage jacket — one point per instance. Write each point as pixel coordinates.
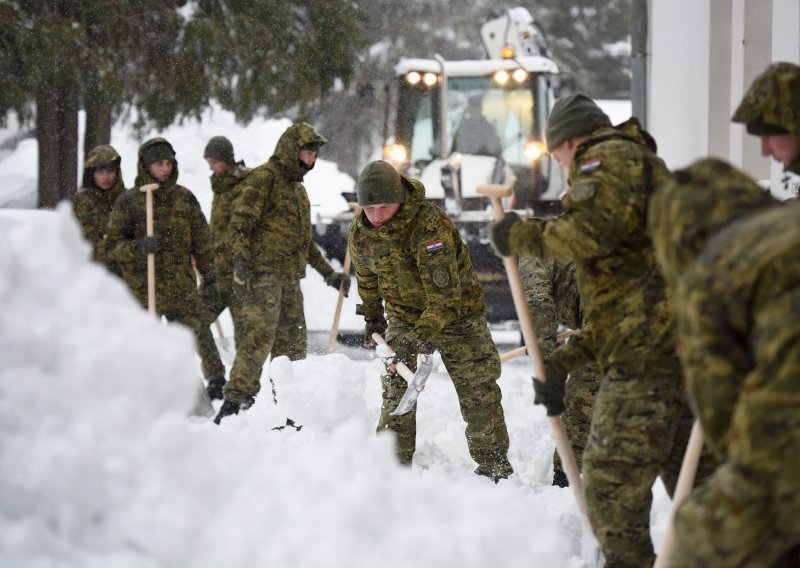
(271, 220)
(417, 264)
(731, 251)
(774, 98)
(182, 230)
(92, 205)
(223, 188)
(602, 230)
(552, 296)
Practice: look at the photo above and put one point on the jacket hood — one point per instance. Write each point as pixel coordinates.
(101, 157)
(295, 137)
(773, 98)
(631, 130)
(698, 202)
(143, 176)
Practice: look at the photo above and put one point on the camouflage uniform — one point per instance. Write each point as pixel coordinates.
(223, 187)
(731, 253)
(630, 334)
(774, 100)
(271, 227)
(552, 295)
(182, 230)
(92, 204)
(419, 266)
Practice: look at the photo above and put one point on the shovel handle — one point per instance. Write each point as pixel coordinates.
(401, 367)
(151, 259)
(531, 343)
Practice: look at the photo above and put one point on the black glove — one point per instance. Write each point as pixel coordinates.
(551, 393)
(334, 279)
(210, 292)
(243, 279)
(146, 245)
(499, 231)
(374, 326)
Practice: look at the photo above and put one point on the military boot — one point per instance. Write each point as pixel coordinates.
(214, 389)
(228, 408)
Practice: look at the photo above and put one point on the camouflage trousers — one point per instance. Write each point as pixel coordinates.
(270, 320)
(582, 388)
(640, 428)
(739, 517)
(194, 315)
(471, 359)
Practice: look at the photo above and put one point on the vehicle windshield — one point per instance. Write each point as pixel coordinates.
(482, 118)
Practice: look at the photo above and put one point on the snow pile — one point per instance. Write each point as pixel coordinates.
(100, 467)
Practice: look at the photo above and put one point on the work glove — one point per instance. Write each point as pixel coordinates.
(378, 326)
(334, 279)
(551, 393)
(243, 279)
(210, 292)
(499, 232)
(146, 245)
(414, 342)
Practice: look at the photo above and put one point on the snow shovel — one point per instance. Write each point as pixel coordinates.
(508, 355)
(532, 345)
(416, 381)
(346, 269)
(691, 459)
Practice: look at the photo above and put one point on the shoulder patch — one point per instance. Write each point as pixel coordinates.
(590, 165)
(582, 190)
(440, 276)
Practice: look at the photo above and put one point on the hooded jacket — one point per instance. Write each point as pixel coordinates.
(224, 190)
(625, 300)
(417, 264)
(93, 205)
(731, 250)
(271, 221)
(182, 230)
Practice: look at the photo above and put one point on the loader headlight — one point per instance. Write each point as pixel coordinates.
(519, 75)
(413, 78)
(397, 154)
(534, 150)
(501, 77)
(430, 79)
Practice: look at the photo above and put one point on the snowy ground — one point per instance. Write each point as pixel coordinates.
(99, 465)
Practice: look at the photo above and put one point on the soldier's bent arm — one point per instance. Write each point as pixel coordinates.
(372, 303)
(317, 261)
(247, 209)
(537, 279)
(120, 233)
(441, 278)
(201, 241)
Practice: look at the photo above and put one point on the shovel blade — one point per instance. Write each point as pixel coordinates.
(202, 403)
(409, 400)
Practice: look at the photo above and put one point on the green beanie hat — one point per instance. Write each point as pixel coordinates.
(575, 115)
(379, 183)
(220, 148)
(157, 152)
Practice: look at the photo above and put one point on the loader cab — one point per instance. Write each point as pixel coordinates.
(489, 112)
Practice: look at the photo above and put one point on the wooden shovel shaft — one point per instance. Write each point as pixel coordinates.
(151, 259)
(508, 355)
(683, 488)
(339, 302)
(401, 367)
(532, 345)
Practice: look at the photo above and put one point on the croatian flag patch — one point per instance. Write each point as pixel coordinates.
(590, 165)
(434, 246)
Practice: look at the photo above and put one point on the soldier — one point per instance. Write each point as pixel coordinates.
(552, 295)
(270, 240)
(181, 232)
(407, 253)
(226, 175)
(730, 252)
(771, 110)
(102, 184)
(630, 331)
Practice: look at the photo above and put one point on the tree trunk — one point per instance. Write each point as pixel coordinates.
(98, 117)
(57, 134)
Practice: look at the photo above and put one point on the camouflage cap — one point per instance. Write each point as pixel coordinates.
(575, 115)
(772, 103)
(686, 211)
(220, 148)
(102, 157)
(379, 183)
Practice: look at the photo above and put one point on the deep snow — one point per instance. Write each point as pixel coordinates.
(99, 465)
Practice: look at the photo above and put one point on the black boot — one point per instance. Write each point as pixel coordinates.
(214, 389)
(227, 409)
(560, 479)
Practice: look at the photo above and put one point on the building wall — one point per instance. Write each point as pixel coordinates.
(704, 55)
